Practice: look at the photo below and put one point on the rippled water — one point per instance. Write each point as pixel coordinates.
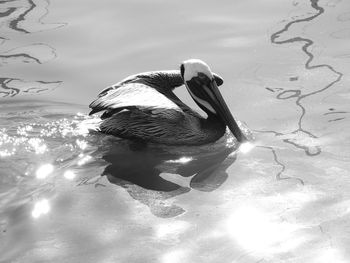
(70, 194)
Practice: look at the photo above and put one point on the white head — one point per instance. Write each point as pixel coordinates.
(190, 68)
(202, 86)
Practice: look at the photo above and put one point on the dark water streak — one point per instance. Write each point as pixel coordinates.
(10, 90)
(22, 55)
(14, 24)
(283, 166)
(337, 119)
(335, 112)
(287, 94)
(308, 66)
(8, 12)
(6, 1)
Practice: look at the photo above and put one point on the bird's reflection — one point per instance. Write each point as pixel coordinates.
(136, 163)
(140, 169)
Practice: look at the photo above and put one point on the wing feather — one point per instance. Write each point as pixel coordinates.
(133, 95)
(165, 126)
(167, 79)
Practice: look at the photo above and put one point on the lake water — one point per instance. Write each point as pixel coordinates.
(68, 194)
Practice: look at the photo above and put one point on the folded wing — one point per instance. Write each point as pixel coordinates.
(132, 95)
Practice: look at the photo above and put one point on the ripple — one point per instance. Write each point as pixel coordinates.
(307, 43)
(287, 94)
(35, 53)
(25, 16)
(38, 138)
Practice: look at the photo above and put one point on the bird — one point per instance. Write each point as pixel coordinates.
(143, 107)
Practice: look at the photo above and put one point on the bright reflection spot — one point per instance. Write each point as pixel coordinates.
(256, 230)
(6, 153)
(85, 126)
(44, 170)
(38, 145)
(181, 160)
(246, 147)
(230, 141)
(330, 255)
(84, 159)
(70, 175)
(41, 207)
(81, 144)
(64, 132)
(23, 131)
(175, 256)
(171, 230)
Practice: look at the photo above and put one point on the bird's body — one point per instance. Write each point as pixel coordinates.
(144, 107)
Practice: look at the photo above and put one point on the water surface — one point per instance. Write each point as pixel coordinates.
(69, 194)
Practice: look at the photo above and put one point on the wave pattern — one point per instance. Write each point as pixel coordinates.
(299, 94)
(24, 17)
(301, 138)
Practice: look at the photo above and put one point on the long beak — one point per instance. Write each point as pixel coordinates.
(210, 93)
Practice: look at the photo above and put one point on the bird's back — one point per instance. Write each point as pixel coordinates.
(144, 107)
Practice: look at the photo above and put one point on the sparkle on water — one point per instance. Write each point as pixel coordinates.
(182, 160)
(171, 230)
(69, 194)
(38, 145)
(41, 207)
(246, 147)
(83, 159)
(256, 230)
(174, 256)
(70, 175)
(81, 143)
(44, 171)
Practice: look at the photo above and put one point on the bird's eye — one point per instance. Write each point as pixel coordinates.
(182, 70)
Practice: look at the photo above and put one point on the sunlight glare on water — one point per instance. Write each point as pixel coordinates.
(329, 255)
(38, 145)
(174, 256)
(182, 160)
(70, 175)
(44, 171)
(81, 143)
(246, 147)
(171, 230)
(83, 159)
(41, 207)
(69, 193)
(258, 231)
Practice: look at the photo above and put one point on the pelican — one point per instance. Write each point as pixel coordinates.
(144, 107)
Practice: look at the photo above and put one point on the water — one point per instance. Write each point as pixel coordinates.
(69, 194)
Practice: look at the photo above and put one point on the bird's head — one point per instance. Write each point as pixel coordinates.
(202, 86)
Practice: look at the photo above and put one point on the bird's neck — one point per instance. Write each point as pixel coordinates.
(164, 80)
(213, 127)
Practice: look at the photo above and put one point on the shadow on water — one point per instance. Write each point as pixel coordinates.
(152, 174)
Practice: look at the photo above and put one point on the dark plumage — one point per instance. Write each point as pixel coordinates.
(144, 107)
